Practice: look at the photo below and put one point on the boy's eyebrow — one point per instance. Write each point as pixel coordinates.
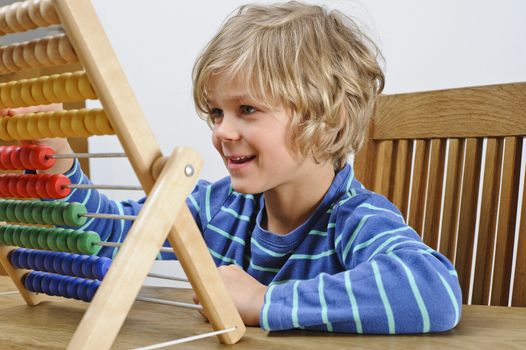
(231, 98)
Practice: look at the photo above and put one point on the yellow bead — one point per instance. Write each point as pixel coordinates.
(77, 123)
(43, 126)
(16, 97)
(4, 135)
(59, 89)
(25, 93)
(47, 89)
(37, 93)
(85, 88)
(32, 127)
(102, 124)
(65, 124)
(54, 124)
(12, 128)
(21, 128)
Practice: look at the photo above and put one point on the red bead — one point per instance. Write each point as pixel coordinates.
(21, 186)
(11, 186)
(5, 158)
(31, 186)
(40, 185)
(4, 191)
(14, 157)
(25, 156)
(41, 157)
(56, 186)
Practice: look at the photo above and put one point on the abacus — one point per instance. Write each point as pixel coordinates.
(42, 258)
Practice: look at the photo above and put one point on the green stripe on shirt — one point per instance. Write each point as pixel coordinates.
(383, 296)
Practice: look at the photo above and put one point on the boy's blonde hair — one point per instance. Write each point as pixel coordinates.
(316, 63)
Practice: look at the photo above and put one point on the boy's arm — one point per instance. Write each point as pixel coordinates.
(392, 283)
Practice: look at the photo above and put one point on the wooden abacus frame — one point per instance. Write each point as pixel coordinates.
(166, 193)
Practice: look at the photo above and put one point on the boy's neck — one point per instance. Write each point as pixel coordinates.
(289, 205)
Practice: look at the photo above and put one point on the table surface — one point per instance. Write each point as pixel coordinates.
(51, 325)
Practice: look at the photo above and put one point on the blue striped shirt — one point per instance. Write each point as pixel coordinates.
(353, 266)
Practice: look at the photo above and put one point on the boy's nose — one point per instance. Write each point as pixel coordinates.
(227, 130)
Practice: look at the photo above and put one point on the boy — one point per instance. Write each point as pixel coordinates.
(288, 90)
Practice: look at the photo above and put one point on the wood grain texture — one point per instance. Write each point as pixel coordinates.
(481, 327)
(497, 110)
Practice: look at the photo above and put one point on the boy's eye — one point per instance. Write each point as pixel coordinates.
(247, 109)
(215, 113)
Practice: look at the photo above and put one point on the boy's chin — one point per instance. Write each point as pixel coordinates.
(244, 188)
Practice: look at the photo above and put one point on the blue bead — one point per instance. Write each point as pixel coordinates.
(87, 270)
(53, 284)
(82, 289)
(14, 256)
(39, 260)
(35, 281)
(28, 281)
(31, 260)
(91, 290)
(77, 265)
(44, 283)
(61, 287)
(73, 288)
(67, 264)
(69, 292)
(101, 267)
(48, 261)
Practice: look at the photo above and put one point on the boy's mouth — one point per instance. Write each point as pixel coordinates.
(241, 159)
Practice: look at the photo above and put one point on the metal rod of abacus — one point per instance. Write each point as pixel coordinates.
(87, 155)
(109, 216)
(187, 339)
(118, 245)
(169, 302)
(166, 277)
(105, 187)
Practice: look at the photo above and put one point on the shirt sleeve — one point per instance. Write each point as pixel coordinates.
(391, 282)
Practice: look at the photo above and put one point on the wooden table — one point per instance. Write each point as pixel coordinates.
(51, 325)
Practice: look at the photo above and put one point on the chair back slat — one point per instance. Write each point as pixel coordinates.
(487, 222)
(434, 193)
(505, 236)
(450, 213)
(452, 161)
(417, 201)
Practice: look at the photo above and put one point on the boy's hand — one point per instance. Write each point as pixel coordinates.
(60, 145)
(246, 292)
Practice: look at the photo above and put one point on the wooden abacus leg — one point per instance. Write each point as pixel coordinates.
(105, 316)
(16, 276)
(2, 271)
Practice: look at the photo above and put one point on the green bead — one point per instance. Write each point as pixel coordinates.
(19, 211)
(2, 230)
(62, 238)
(3, 207)
(42, 240)
(37, 213)
(57, 214)
(24, 237)
(86, 245)
(8, 235)
(28, 208)
(16, 235)
(33, 237)
(52, 239)
(72, 214)
(10, 213)
(46, 212)
(72, 240)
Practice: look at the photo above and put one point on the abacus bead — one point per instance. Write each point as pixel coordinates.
(14, 257)
(77, 265)
(8, 235)
(33, 237)
(91, 290)
(72, 240)
(87, 270)
(61, 286)
(31, 187)
(67, 264)
(16, 236)
(42, 240)
(40, 185)
(5, 158)
(24, 237)
(101, 267)
(82, 289)
(31, 259)
(23, 258)
(19, 212)
(52, 240)
(86, 242)
(72, 214)
(48, 261)
(11, 186)
(46, 212)
(14, 158)
(34, 278)
(28, 217)
(73, 287)
(58, 260)
(53, 284)
(57, 186)
(56, 213)
(44, 283)
(61, 239)
(21, 186)
(41, 158)
(36, 214)
(28, 280)
(10, 212)
(25, 156)
(4, 182)
(2, 230)
(40, 256)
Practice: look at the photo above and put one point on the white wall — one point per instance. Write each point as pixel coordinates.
(427, 45)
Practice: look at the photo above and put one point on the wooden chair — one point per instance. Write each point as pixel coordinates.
(451, 161)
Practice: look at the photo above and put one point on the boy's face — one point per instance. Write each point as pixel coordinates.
(251, 139)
